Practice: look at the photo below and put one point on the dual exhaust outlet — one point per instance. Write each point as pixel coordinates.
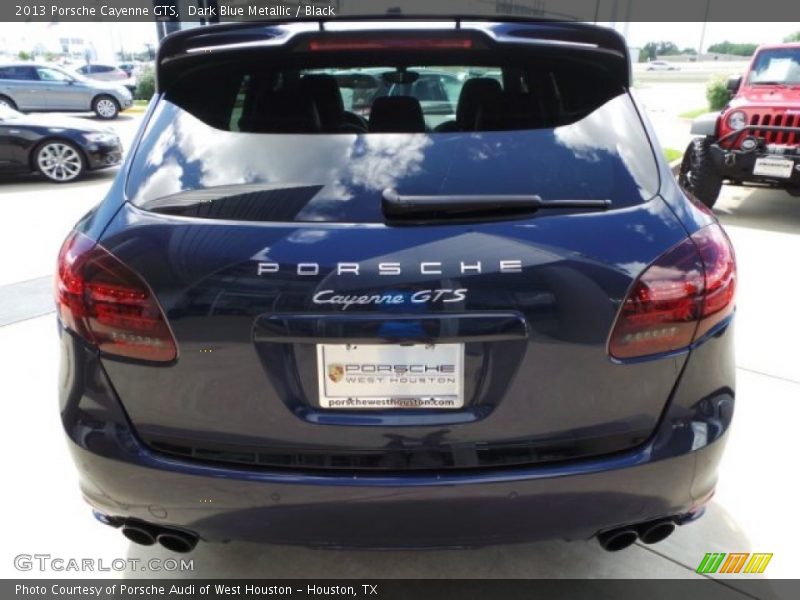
(177, 540)
(148, 534)
(650, 532)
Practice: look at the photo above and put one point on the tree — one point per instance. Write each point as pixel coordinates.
(146, 86)
(727, 47)
(652, 50)
(717, 93)
(794, 37)
(668, 49)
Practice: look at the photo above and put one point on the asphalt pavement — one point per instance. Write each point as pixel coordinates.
(753, 510)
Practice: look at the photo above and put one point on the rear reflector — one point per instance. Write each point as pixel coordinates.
(678, 298)
(109, 305)
(410, 43)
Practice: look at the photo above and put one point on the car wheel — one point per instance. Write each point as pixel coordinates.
(59, 161)
(698, 175)
(105, 107)
(6, 101)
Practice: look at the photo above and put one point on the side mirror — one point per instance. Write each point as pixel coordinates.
(734, 82)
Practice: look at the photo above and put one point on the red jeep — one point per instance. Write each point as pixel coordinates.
(756, 137)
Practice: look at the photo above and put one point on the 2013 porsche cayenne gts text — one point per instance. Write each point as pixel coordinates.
(396, 284)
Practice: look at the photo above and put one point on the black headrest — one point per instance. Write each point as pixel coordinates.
(474, 93)
(325, 92)
(400, 114)
(285, 112)
(510, 111)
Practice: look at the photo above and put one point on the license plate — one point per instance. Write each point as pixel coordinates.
(389, 376)
(769, 166)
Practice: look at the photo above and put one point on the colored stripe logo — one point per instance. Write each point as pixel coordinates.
(735, 562)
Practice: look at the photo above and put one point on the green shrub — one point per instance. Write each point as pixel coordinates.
(717, 93)
(146, 86)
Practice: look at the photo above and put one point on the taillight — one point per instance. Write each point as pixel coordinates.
(719, 263)
(678, 298)
(389, 43)
(109, 305)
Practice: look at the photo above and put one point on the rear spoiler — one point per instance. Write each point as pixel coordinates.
(219, 38)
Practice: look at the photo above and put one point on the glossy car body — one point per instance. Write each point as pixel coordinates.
(251, 246)
(22, 136)
(39, 88)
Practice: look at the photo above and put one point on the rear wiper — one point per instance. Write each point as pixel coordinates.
(395, 205)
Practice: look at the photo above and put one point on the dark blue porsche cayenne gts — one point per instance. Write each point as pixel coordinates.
(396, 284)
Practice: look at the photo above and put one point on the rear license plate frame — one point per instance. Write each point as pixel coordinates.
(391, 376)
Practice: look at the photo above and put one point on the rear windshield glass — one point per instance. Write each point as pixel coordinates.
(404, 99)
(323, 142)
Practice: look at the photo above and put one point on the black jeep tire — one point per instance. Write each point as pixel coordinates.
(698, 176)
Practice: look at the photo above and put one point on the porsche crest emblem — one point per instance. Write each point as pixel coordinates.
(335, 372)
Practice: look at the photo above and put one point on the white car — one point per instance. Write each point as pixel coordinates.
(108, 73)
(661, 65)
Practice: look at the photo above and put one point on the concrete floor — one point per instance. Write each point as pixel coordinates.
(753, 510)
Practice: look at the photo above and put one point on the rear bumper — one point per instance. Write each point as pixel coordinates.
(673, 473)
(342, 511)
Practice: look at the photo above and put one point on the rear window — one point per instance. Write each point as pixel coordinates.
(20, 73)
(307, 139)
(411, 98)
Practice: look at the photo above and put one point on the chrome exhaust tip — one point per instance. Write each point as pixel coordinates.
(617, 539)
(139, 532)
(656, 531)
(177, 541)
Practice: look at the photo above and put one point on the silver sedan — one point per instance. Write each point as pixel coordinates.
(30, 87)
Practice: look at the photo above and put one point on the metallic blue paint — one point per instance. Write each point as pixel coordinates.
(556, 438)
(674, 472)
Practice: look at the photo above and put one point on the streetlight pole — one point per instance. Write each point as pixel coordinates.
(703, 31)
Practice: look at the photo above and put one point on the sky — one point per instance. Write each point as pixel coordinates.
(110, 37)
(687, 35)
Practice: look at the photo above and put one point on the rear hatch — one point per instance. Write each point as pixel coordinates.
(381, 294)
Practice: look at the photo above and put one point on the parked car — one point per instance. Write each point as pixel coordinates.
(60, 148)
(285, 324)
(437, 91)
(102, 72)
(108, 73)
(755, 138)
(661, 65)
(35, 88)
(128, 68)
